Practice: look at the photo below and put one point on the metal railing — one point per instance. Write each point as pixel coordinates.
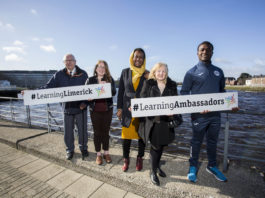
(51, 122)
(10, 111)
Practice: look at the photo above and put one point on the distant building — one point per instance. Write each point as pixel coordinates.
(27, 79)
(248, 82)
(230, 81)
(258, 80)
(4, 83)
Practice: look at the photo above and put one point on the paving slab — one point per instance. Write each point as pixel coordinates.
(48, 172)
(108, 191)
(12, 156)
(64, 179)
(23, 161)
(83, 187)
(131, 195)
(6, 150)
(34, 166)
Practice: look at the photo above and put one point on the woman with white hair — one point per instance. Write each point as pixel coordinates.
(156, 128)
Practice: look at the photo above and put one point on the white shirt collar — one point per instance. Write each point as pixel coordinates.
(73, 71)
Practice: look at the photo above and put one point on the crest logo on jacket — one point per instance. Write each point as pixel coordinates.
(217, 73)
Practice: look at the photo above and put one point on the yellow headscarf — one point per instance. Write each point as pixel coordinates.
(136, 71)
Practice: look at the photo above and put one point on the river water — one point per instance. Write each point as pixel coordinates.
(246, 134)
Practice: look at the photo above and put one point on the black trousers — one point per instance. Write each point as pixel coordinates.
(101, 124)
(155, 156)
(126, 145)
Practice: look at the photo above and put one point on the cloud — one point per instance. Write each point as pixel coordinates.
(113, 47)
(48, 39)
(33, 11)
(13, 57)
(48, 48)
(235, 71)
(10, 49)
(10, 27)
(146, 47)
(35, 39)
(259, 62)
(222, 61)
(7, 26)
(90, 70)
(153, 58)
(17, 42)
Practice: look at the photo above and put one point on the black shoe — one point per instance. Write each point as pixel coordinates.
(154, 178)
(84, 153)
(69, 155)
(161, 173)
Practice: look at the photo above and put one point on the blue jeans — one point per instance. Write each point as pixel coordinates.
(209, 126)
(69, 123)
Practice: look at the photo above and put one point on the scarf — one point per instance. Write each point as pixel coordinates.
(136, 71)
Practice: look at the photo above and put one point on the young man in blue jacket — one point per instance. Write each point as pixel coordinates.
(75, 111)
(204, 78)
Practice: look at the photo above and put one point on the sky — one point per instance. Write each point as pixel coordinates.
(35, 35)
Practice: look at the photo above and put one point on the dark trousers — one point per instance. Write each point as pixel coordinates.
(155, 156)
(209, 126)
(126, 145)
(101, 125)
(69, 123)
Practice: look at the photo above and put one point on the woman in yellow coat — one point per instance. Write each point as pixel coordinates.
(131, 83)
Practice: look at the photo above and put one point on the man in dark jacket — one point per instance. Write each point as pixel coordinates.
(204, 78)
(75, 111)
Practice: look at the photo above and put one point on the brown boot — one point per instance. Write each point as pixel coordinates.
(139, 163)
(107, 158)
(126, 164)
(99, 160)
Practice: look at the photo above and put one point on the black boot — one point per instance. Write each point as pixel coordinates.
(161, 173)
(84, 153)
(69, 155)
(154, 178)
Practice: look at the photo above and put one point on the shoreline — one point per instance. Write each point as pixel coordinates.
(245, 88)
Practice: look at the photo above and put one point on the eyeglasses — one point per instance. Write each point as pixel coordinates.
(68, 61)
(101, 67)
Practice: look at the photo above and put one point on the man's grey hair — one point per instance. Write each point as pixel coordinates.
(68, 55)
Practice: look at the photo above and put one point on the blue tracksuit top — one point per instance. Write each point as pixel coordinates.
(203, 78)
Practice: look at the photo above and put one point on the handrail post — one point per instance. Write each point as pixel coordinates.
(225, 165)
(48, 118)
(12, 110)
(28, 116)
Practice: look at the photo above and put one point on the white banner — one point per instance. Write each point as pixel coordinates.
(66, 94)
(142, 107)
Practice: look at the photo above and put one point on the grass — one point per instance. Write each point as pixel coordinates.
(245, 88)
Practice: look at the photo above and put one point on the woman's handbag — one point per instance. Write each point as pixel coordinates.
(175, 121)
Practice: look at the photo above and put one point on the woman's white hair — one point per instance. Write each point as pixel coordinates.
(156, 67)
